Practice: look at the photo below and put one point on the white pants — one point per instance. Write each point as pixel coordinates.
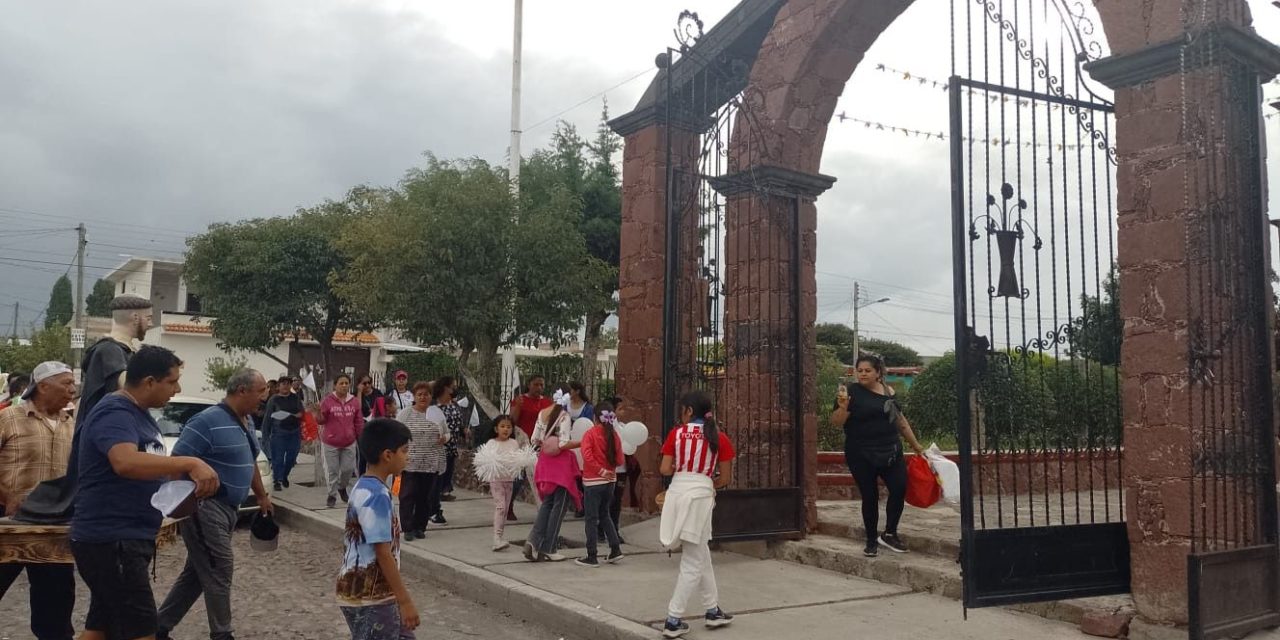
(339, 465)
(695, 574)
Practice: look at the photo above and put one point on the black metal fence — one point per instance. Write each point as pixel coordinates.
(1037, 330)
(1234, 586)
(500, 386)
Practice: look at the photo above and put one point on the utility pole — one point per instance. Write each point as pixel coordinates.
(858, 304)
(79, 306)
(857, 299)
(14, 334)
(516, 51)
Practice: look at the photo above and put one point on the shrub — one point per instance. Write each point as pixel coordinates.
(218, 370)
(1028, 401)
(829, 371)
(424, 366)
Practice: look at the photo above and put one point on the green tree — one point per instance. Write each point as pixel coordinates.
(1098, 332)
(1028, 401)
(586, 170)
(218, 370)
(449, 258)
(59, 312)
(894, 354)
(98, 303)
(53, 343)
(840, 338)
(837, 336)
(271, 279)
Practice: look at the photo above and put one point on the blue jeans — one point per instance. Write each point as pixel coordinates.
(545, 536)
(376, 622)
(284, 453)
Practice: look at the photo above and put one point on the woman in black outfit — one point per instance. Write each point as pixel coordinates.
(873, 431)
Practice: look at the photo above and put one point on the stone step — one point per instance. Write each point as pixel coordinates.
(916, 571)
(919, 542)
(932, 573)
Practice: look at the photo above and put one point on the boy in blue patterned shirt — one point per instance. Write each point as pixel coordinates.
(373, 597)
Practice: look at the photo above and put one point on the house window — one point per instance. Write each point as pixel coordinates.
(193, 303)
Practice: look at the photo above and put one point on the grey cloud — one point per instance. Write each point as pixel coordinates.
(174, 115)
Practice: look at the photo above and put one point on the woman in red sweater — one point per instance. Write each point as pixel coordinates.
(601, 456)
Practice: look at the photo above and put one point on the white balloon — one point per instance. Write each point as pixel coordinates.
(628, 449)
(580, 428)
(635, 433)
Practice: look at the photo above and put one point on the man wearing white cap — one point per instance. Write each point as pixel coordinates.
(35, 443)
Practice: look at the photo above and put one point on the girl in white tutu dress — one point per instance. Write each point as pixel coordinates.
(499, 462)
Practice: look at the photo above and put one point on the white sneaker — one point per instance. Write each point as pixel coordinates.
(553, 557)
(499, 544)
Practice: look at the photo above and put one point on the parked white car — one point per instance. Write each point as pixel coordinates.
(181, 409)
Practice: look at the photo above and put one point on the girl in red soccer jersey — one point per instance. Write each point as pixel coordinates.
(700, 460)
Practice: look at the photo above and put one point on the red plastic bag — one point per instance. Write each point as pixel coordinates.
(310, 428)
(923, 488)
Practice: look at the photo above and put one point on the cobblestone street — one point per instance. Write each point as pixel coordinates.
(289, 594)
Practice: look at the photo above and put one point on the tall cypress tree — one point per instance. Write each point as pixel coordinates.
(60, 309)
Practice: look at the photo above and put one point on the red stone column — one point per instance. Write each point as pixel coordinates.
(642, 280)
(1156, 122)
(767, 208)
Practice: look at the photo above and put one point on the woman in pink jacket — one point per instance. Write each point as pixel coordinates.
(556, 478)
(342, 420)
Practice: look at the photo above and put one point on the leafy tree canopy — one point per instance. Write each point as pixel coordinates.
(1098, 332)
(450, 258)
(267, 279)
(53, 343)
(840, 338)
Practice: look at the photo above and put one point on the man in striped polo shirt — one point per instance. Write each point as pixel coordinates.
(221, 436)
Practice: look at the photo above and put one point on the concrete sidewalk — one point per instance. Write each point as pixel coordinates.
(770, 598)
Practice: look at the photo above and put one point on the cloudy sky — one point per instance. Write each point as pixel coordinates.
(149, 119)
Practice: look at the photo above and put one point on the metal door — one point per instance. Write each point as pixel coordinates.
(732, 333)
(1233, 581)
(1036, 321)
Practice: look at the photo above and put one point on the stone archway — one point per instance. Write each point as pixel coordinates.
(806, 57)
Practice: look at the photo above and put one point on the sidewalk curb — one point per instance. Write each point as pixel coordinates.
(516, 598)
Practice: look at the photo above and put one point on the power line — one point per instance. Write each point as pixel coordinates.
(121, 246)
(588, 99)
(895, 287)
(147, 228)
(22, 262)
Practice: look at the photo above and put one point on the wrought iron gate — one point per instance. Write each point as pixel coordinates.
(1036, 320)
(731, 329)
(1234, 566)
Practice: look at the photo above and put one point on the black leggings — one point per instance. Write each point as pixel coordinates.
(867, 465)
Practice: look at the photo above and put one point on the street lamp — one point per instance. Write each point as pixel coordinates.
(857, 295)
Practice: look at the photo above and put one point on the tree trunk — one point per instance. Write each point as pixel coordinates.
(490, 369)
(591, 350)
(326, 375)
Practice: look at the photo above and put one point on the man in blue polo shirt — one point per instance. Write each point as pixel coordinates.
(221, 436)
(122, 464)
